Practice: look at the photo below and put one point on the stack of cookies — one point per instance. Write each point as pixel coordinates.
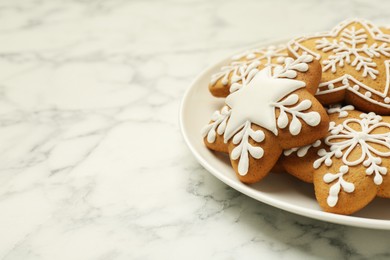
(318, 107)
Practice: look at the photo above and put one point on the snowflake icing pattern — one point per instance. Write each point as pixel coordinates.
(344, 140)
(352, 49)
(242, 71)
(334, 191)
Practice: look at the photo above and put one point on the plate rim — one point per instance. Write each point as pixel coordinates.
(360, 222)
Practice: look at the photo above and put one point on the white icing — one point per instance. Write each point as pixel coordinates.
(280, 60)
(244, 148)
(342, 110)
(303, 150)
(242, 71)
(265, 53)
(334, 190)
(245, 75)
(310, 118)
(352, 49)
(218, 124)
(343, 139)
(349, 49)
(255, 103)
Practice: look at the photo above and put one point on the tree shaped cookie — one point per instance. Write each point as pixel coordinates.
(355, 57)
(274, 111)
(243, 67)
(349, 166)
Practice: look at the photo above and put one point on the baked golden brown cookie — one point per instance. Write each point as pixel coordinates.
(292, 159)
(243, 67)
(349, 166)
(278, 167)
(274, 111)
(355, 58)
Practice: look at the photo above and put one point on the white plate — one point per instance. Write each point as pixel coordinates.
(278, 190)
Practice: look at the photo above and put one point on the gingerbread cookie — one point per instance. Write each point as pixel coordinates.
(243, 67)
(274, 111)
(349, 166)
(291, 160)
(355, 57)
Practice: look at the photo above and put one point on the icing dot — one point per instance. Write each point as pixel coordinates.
(280, 60)
(296, 48)
(345, 81)
(387, 100)
(251, 56)
(225, 81)
(367, 94)
(331, 86)
(356, 87)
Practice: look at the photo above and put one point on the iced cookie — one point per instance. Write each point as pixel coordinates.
(349, 166)
(274, 111)
(292, 159)
(355, 57)
(243, 67)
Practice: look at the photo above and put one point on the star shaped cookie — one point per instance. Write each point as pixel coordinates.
(349, 167)
(274, 111)
(246, 105)
(355, 58)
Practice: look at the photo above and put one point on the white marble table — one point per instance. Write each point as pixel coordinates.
(92, 163)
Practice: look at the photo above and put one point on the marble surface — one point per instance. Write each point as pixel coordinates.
(92, 162)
